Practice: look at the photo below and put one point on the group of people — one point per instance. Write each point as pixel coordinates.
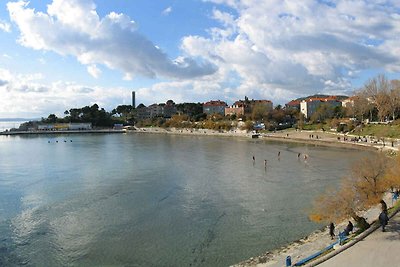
(279, 158)
(383, 220)
(349, 228)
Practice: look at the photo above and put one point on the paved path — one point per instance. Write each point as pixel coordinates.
(377, 249)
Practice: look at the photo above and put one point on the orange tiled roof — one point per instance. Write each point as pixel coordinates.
(215, 103)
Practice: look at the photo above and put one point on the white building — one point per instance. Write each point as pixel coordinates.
(65, 126)
(309, 106)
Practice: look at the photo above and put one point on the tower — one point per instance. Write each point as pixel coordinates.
(133, 99)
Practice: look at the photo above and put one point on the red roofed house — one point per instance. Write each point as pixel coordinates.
(295, 104)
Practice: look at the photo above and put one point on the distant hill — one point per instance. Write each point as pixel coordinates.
(340, 97)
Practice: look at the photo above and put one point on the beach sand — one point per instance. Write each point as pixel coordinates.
(307, 137)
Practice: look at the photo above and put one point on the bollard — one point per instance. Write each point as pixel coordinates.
(288, 261)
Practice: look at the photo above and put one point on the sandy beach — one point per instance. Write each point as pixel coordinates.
(319, 239)
(307, 137)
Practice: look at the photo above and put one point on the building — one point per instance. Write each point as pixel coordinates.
(156, 110)
(237, 110)
(169, 109)
(242, 107)
(142, 112)
(309, 106)
(266, 103)
(349, 102)
(65, 127)
(166, 110)
(212, 107)
(294, 104)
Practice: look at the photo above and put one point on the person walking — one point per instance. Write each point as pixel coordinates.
(383, 220)
(383, 206)
(332, 230)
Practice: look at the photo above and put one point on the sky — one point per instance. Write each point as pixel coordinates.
(62, 54)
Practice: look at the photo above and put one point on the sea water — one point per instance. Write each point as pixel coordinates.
(156, 200)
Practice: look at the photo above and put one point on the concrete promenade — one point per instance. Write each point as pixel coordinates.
(377, 249)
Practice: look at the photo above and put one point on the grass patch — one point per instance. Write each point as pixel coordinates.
(379, 130)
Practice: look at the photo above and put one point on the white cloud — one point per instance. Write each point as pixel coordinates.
(17, 90)
(94, 71)
(277, 50)
(4, 26)
(294, 48)
(167, 11)
(73, 27)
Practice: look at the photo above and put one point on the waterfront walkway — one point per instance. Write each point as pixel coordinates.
(377, 249)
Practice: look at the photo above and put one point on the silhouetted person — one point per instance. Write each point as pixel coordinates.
(383, 206)
(383, 219)
(349, 228)
(332, 230)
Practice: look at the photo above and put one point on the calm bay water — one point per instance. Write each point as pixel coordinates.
(156, 200)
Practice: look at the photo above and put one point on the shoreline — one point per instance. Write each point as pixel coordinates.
(314, 242)
(325, 139)
(328, 139)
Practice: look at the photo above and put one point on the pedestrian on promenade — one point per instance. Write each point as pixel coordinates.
(349, 228)
(383, 206)
(383, 219)
(332, 230)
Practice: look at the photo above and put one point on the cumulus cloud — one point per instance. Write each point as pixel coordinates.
(166, 11)
(277, 50)
(296, 48)
(19, 89)
(4, 26)
(73, 27)
(94, 71)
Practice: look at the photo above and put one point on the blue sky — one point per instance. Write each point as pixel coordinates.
(59, 54)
